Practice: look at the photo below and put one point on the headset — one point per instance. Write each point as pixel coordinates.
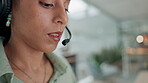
(5, 8)
(65, 41)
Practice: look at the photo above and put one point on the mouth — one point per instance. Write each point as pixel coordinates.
(56, 36)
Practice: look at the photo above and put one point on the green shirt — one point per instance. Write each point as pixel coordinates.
(62, 70)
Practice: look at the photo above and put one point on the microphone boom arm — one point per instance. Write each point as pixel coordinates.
(65, 41)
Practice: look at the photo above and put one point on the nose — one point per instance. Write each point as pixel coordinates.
(60, 16)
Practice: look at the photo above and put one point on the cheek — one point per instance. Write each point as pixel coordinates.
(43, 20)
(37, 22)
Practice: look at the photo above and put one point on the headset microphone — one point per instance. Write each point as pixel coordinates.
(65, 41)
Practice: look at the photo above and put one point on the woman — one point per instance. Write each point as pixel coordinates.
(36, 28)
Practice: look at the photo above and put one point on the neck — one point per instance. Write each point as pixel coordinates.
(24, 56)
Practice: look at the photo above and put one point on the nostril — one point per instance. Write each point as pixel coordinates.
(60, 19)
(59, 22)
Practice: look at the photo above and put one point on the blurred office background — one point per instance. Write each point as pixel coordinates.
(109, 41)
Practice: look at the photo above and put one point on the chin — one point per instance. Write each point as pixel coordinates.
(50, 49)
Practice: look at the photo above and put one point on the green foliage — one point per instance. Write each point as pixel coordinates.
(109, 55)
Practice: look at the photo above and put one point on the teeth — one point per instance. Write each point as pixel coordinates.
(54, 34)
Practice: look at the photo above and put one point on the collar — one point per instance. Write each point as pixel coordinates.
(5, 67)
(59, 65)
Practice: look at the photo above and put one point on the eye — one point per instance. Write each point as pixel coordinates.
(66, 5)
(46, 5)
(66, 10)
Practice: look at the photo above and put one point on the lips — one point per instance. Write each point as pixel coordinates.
(56, 36)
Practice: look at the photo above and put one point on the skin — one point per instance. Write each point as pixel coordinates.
(31, 24)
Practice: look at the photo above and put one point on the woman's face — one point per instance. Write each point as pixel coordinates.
(39, 24)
